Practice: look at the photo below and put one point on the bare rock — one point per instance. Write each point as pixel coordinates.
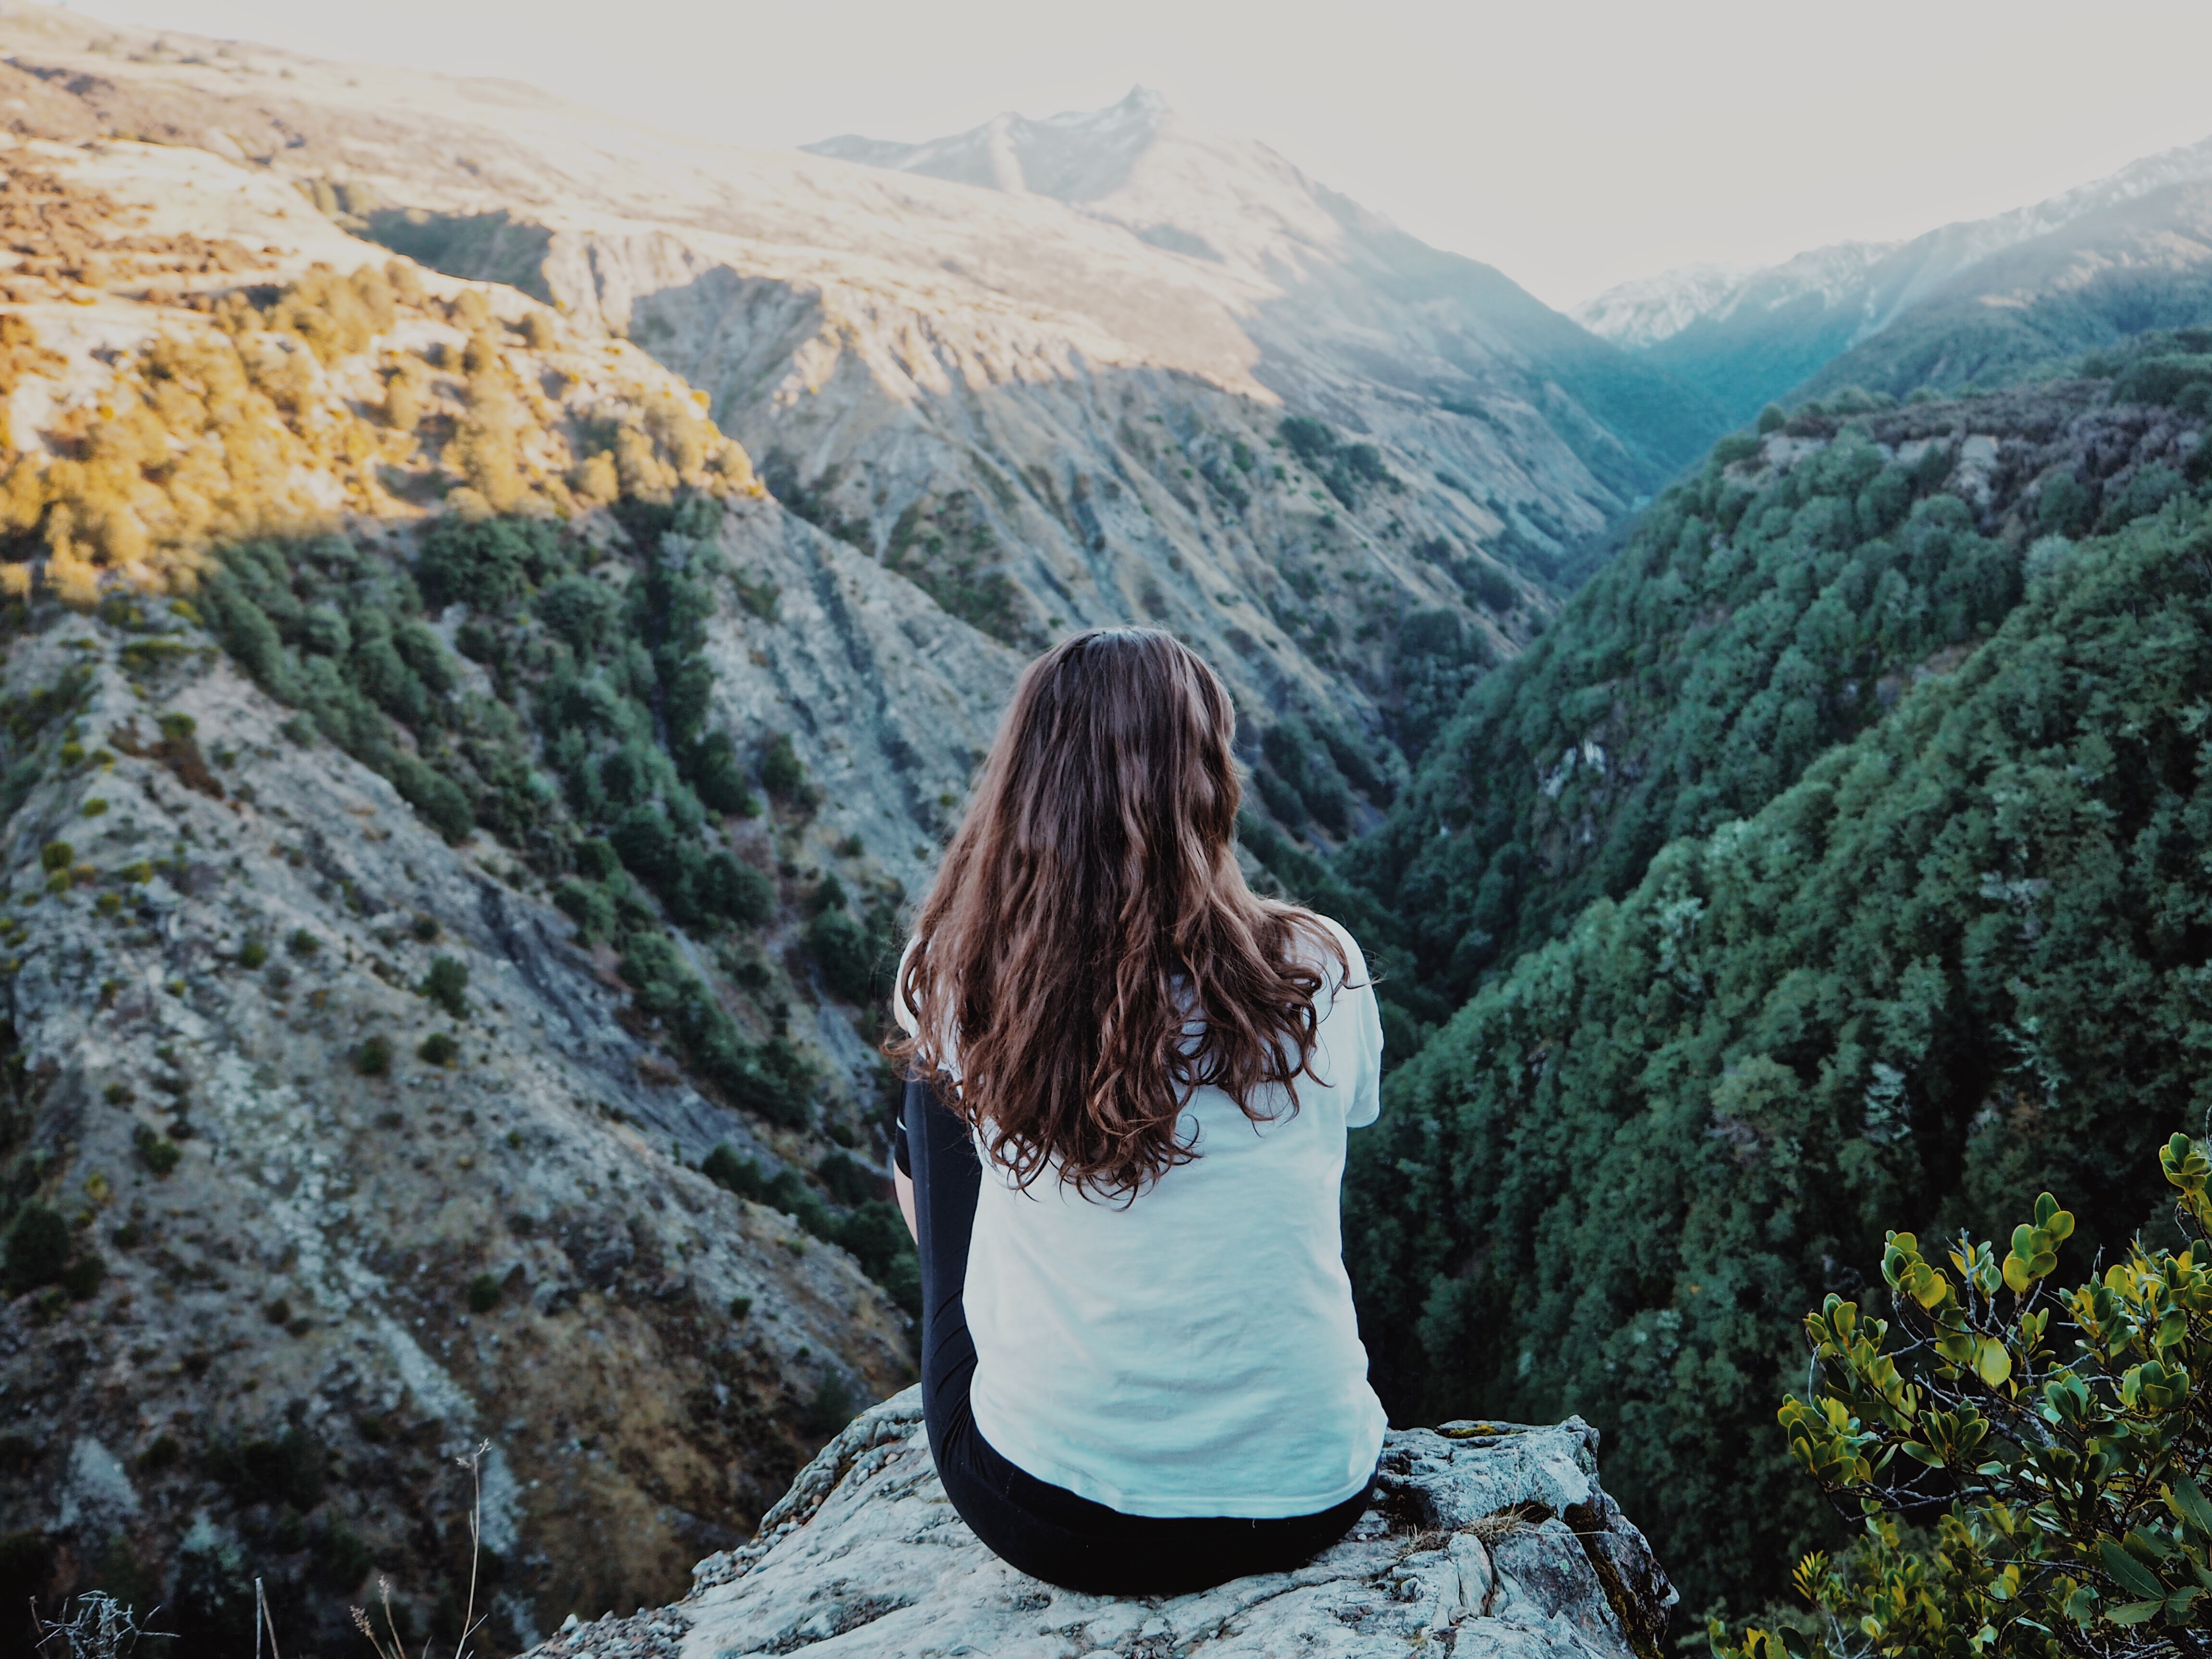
(1488, 1539)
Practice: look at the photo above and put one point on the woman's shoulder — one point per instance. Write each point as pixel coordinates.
(1351, 974)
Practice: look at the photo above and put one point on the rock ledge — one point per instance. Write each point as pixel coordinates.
(1490, 1539)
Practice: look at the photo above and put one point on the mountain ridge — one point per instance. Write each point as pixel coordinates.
(1746, 336)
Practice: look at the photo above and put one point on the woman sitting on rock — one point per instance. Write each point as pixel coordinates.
(1140, 1367)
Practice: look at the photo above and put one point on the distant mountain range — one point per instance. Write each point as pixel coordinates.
(2083, 269)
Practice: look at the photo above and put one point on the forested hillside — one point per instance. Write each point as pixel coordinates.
(1778, 602)
(1915, 713)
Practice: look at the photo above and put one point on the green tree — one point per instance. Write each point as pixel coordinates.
(2064, 1438)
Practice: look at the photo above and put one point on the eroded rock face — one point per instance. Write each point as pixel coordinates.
(1486, 1538)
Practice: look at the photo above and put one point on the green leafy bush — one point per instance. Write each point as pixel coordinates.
(770, 1078)
(253, 953)
(157, 1152)
(374, 1057)
(2063, 1436)
(484, 565)
(37, 1249)
(875, 1232)
(783, 773)
(447, 984)
(437, 1050)
(590, 906)
(289, 1468)
(846, 952)
(302, 943)
(483, 1293)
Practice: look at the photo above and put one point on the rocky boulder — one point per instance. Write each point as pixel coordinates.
(1491, 1539)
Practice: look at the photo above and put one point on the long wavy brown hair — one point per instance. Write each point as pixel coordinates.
(1090, 953)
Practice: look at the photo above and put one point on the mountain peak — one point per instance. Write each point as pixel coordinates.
(1078, 155)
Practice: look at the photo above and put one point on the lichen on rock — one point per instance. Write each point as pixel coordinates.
(1490, 1539)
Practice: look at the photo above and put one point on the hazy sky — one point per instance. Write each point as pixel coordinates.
(1573, 145)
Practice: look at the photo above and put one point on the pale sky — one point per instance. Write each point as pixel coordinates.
(1572, 145)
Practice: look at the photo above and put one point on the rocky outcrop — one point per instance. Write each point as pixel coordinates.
(1490, 1539)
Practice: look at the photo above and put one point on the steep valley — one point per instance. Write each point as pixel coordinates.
(503, 608)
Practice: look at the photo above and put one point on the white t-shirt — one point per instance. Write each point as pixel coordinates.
(1193, 1352)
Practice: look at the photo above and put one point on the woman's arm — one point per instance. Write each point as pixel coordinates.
(903, 1184)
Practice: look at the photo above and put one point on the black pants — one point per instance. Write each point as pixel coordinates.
(1045, 1530)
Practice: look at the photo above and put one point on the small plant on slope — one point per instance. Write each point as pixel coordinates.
(2070, 1475)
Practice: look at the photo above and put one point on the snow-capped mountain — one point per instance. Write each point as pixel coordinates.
(1743, 337)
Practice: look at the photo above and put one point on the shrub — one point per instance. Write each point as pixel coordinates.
(253, 953)
(590, 906)
(288, 1469)
(483, 1294)
(56, 855)
(848, 1180)
(302, 943)
(374, 1057)
(81, 1277)
(846, 953)
(2066, 1463)
(648, 845)
(1772, 419)
(579, 610)
(163, 1452)
(720, 781)
(483, 565)
(2064, 506)
(440, 801)
(783, 773)
(740, 1306)
(424, 927)
(447, 984)
(157, 1152)
(597, 859)
(727, 1170)
(875, 1234)
(437, 1050)
(735, 890)
(93, 808)
(37, 1249)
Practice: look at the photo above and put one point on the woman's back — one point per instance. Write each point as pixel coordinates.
(1192, 1350)
(1131, 1078)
